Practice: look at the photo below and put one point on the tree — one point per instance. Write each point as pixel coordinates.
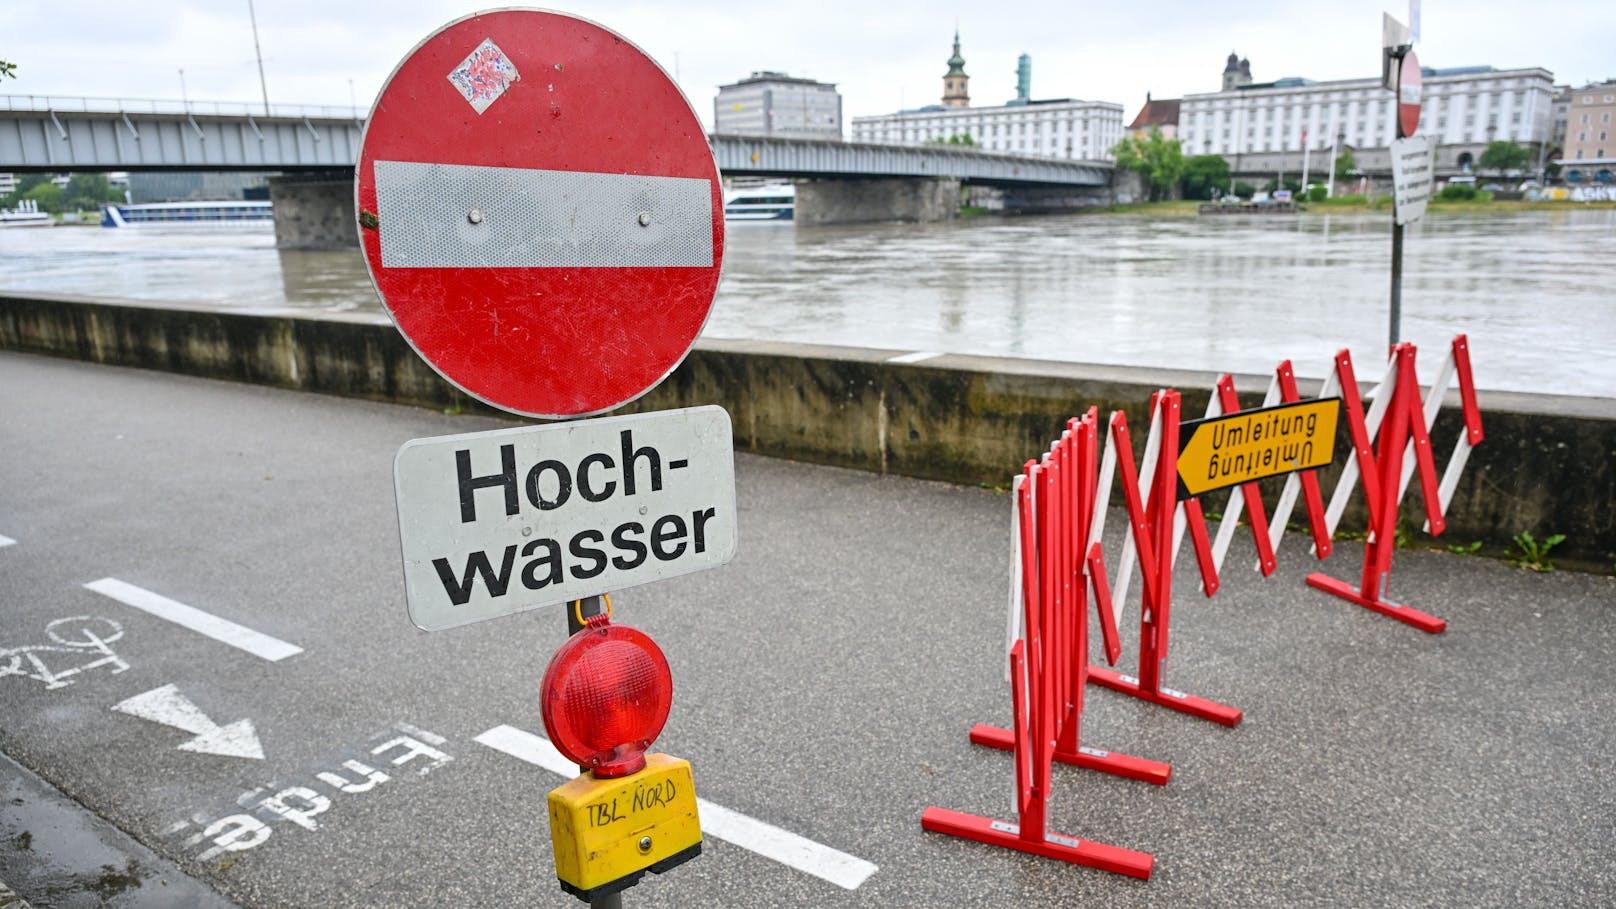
(1504, 155)
(957, 139)
(47, 194)
(8, 70)
(1159, 161)
(1346, 164)
(89, 191)
(1204, 176)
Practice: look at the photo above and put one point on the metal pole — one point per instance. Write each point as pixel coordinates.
(585, 608)
(1397, 281)
(257, 51)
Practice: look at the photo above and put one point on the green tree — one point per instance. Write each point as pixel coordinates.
(8, 70)
(1159, 161)
(1346, 164)
(88, 191)
(1205, 175)
(47, 194)
(1504, 155)
(957, 139)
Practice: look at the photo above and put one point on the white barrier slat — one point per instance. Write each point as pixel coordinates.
(1450, 476)
(1119, 589)
(1433, 404)
(1013, 631)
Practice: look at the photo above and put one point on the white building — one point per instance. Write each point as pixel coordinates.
(1259, 127)
(775, 104)
(1064, 128)
(1058, 128)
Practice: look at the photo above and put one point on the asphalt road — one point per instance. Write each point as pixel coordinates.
(825, 681)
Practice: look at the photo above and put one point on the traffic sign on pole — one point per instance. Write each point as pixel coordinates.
(540, 211)
(1410, 85)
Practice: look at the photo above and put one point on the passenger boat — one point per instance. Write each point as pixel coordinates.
(26, 215)
(186, 213)
(761, 203)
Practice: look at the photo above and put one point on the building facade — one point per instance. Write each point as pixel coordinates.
(775, 104)
(1156, 116)
(1052, 128)
(1590, 143)
(1260, 128)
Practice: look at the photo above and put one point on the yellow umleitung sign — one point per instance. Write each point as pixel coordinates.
(1225, 451)
(608, 833)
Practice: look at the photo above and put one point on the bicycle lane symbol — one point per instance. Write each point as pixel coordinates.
(83, 641)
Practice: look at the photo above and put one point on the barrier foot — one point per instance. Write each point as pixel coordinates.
(1055, 845)
(1167, 697)
(1406, 614)
(1112, 762)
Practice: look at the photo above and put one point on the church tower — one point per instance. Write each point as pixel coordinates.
(955, 82)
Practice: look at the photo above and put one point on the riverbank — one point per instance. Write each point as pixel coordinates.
(1544, 469)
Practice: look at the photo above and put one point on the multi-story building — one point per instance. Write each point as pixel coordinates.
(1260, 127)
(775, 104)
(1051, 128)
(1590, 144)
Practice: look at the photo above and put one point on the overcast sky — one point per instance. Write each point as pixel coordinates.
(882, 55)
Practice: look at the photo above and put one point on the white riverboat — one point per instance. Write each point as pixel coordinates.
(761, 203)
(27, 214)
(232, 212)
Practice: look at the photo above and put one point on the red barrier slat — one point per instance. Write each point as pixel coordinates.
(1467, 389)
(1309, 478)
(1196, 520)
(1358, 430)
(1424, 457)
(1136, 508)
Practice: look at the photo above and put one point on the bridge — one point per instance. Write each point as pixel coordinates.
(316, 145)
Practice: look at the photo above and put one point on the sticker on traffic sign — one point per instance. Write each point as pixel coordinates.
(540, 212)
(494, 523)
(1220, 452)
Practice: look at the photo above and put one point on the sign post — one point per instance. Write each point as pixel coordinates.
(1404, 65)
(541, 213)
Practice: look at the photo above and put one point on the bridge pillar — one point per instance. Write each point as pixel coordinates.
(314, 211)
(877, 199)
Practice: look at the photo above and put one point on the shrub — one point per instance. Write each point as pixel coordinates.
(1457, 193)
(1318, 193)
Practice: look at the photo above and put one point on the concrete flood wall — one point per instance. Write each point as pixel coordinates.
(1548, 464)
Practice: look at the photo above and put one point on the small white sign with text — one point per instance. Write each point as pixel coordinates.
(1411, 177)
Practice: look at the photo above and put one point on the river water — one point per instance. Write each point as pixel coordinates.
(1535, 291)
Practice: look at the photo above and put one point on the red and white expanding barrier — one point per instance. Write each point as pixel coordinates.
(1404, 424)
(1059, 566)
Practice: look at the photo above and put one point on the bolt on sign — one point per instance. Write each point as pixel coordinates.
(1255, 444)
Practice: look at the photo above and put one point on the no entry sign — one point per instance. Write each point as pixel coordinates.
(540, 212)
(1410, 85)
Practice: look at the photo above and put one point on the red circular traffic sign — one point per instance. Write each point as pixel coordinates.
(1410, 85)
(540, 212)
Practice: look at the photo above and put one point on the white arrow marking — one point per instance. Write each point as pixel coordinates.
(167, 706)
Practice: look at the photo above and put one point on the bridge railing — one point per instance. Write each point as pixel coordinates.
(62, 104)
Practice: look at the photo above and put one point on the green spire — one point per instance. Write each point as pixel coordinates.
(956, 63)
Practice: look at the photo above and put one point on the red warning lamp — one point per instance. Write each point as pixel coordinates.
(606, 696)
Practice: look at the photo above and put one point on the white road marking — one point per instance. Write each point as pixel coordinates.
(6, 541)
(167, 706)
(771, 842)
(915, 357)
(223, 630)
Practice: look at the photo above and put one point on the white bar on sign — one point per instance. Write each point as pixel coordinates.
(223, 630)
(461, 216)
(771, 842)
